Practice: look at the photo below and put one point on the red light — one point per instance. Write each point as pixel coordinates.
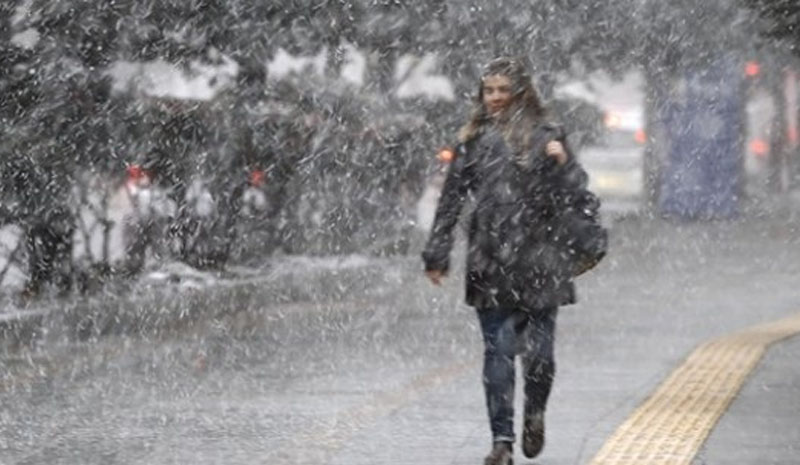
(759, 147)
(137, 176)
(135, 172)
(640, 136)
(257, 178)
(446, 155)
(752, 68)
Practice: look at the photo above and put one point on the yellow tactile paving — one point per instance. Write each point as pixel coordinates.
(671, 425)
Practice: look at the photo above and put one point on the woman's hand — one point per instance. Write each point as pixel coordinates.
(435, 276)
(556, 150)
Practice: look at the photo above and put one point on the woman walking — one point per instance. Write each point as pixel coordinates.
(519, 172)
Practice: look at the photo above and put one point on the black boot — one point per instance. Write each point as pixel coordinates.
(501, 454)
(533, 433)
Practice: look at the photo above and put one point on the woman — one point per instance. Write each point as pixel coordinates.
(519, 172)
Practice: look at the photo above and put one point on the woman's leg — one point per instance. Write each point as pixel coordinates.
(539, 366)
(538, 359)
(499, 327)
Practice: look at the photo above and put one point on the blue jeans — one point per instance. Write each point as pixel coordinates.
(507, 333)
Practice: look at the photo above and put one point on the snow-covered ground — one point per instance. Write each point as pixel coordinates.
(125, 204)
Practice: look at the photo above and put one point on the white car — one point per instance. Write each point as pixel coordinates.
(615, 160)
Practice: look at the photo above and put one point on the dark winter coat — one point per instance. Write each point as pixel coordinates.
(514, 256)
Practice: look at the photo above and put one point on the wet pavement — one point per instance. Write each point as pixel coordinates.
(761, 426)
(390, 373)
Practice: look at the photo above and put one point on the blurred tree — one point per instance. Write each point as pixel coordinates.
(558, 38)
(674, 40)
(57, 98)
(780, 21)
(15, 80)
(779, 26)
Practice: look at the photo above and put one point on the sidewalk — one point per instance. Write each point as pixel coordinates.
(665, 289)
(697, 282)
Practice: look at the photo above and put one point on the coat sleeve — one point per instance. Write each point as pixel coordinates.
(572, 191)
(459, 180)
(571, 174)
(565, 186)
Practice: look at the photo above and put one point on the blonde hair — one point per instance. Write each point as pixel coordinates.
(524, 112)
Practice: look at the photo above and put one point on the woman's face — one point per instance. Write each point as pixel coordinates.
(496, 94)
